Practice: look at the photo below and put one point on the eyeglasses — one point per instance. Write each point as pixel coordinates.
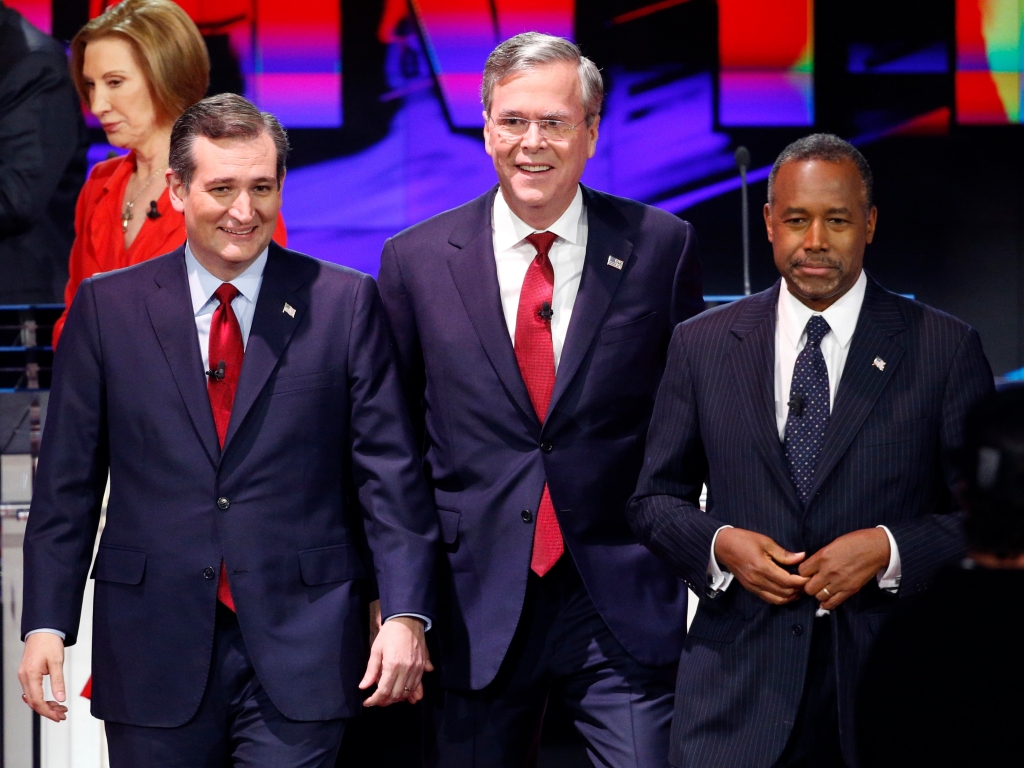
(513, 128)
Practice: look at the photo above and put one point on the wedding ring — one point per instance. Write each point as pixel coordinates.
(407, 689)
(827, 593)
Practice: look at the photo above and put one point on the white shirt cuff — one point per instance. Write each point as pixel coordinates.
(56, 632)
(889, 579)
(718, 580)
(426, 622)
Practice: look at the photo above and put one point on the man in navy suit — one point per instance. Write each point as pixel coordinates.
(233, 572)
(532, 326)
(821, 414)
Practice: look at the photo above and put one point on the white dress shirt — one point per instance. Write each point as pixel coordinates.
(202, 285)
(790, 339)
(513, 255)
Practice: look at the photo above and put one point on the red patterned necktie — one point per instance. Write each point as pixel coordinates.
(536, 359)
(225, 366)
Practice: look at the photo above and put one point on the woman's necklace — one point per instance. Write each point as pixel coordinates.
(127, 215)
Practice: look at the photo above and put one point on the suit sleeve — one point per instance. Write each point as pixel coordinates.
(401, 527)
(401, 314)
(928, 542)
(664, 512)
(70, 480)
(36, 145)
(688, 284)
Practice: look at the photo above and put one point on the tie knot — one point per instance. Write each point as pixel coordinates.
(226, 293)
(542, 241)
(817, 327)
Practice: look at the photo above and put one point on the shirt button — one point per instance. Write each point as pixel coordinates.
(209, 573)
(527, 516)
(797, 630)
(223, 503)
(546, 446)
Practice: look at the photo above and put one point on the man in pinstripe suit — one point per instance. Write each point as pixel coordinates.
(820, 414)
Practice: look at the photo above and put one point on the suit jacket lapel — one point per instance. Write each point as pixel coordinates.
(170, 311)
(272, 329)
(753, 364)
(476, 278)
(607, 233)
(862, 383)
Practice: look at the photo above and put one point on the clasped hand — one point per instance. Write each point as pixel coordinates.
(831, 575)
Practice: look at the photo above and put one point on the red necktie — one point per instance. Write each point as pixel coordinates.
(536, 359)
(225, 365)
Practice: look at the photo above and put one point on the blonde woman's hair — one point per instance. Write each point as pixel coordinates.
(167, 47)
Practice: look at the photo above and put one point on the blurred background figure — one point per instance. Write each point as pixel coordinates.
(137, 66)
(42, 162)
(951, 657)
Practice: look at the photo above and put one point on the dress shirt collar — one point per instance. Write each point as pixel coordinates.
(510, 230)
(841, 316)
(203, 284)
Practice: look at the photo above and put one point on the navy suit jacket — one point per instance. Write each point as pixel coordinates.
(487, 455)
(319, 459)
(885, 461)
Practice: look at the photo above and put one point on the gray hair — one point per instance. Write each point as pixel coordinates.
(828, 148)
(533, 49)
(224, 116)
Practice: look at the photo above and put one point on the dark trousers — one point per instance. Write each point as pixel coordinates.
(236, 725)
(814, 740)
(562, 648)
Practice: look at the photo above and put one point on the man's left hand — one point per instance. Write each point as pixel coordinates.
(841, 568)
(398, 659)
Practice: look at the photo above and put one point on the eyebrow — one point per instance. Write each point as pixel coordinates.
(117, 72)
(793, 209)
(232, 180)
(556, 115)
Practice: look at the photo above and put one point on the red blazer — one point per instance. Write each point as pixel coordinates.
(99, 242)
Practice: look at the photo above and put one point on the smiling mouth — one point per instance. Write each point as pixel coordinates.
(534, 168)
(238, 232)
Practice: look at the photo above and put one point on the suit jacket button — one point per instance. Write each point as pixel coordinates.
(209, 573)
(527, 516)
(223, 503)
(546, 446)
(797, 630)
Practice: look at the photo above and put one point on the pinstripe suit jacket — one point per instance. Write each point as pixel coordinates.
(884, 461)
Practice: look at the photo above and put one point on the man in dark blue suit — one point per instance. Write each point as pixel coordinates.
(233, 572)
(820, 414)
(532, 327)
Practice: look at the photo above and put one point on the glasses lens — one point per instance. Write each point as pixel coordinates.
(516, 127)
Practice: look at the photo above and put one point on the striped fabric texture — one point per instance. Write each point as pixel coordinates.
(885, 459)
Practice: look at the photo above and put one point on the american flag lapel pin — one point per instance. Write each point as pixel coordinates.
(615, 263)
(289, 309)
(879, 363)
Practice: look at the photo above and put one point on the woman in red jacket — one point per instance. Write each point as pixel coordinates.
(137, 66)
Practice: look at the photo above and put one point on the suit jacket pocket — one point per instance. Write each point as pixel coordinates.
(717, 626)
(298, 382)
(630, 330)
(326, 565)
(449, 521)
(120, 566)
(894, 432)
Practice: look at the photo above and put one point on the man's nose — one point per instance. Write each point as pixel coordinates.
(817, 236)
(241, 209)
(533, 139)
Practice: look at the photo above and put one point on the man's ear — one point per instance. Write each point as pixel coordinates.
(176, 191)
(768, 220)
(487, 137)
